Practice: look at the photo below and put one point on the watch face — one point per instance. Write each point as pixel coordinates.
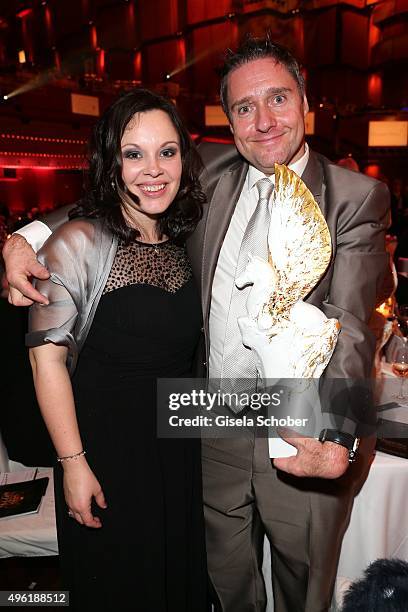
(356, 444)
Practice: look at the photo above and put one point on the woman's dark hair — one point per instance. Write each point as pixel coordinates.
(106, 192)
(254, 49)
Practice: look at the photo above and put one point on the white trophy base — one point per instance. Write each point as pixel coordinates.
(280, 448)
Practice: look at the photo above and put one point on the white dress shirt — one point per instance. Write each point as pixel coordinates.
(225, 271)
(36, 233)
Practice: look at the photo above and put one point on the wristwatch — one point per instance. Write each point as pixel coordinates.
(344, 439)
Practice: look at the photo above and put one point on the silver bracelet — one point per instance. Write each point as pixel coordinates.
(60, 459)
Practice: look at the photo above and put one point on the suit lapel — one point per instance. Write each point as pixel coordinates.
(313, 178)
(222, 205)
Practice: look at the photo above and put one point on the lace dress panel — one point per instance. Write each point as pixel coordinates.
(164, 265)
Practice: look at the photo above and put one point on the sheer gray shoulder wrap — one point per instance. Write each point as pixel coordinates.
(79, 256)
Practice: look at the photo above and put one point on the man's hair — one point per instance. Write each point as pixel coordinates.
(384, 588)
(253, 49)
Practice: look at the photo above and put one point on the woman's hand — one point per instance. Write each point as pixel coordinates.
(80, 486)
(56, 400)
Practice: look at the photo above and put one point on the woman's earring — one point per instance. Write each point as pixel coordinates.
(113, 184)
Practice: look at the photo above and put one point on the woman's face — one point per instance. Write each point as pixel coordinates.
(151, 162)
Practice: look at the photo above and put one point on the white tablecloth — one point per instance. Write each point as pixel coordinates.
(379, 521)
(33, 535)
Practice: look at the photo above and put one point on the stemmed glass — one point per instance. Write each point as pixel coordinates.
(402, 318)
(399, 361)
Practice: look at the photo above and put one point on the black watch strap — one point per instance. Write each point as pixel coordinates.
(344, 439)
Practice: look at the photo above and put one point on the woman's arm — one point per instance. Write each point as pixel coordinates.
(56, 400)
(52, 338)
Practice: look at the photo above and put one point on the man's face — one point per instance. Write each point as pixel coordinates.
(267, 114)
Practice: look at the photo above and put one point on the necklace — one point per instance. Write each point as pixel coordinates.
(152, 245)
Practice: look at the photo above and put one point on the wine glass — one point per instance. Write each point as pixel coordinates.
(399, 361)
(402, 317)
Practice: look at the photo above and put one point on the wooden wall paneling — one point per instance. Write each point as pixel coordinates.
(68, 17)
(354, 130)
(339, 86)
(281, 6)
(325, 124)
(389, 9)
(395, 86)
(208, 45)
(43, 37)
(322, 4)
(76, 53)
(119, 64)
(390, 50)
(158, 18)
(320, 38)
(351, 87)
(394, 29)
(400, 47)
(8, 42)
(401, 6)
(25, 34)
(287, 31)
(202, 10)
(116, 27)
(3, 51)
(375, 89)
(355, 39)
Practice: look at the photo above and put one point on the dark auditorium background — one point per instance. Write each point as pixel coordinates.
(63, 61)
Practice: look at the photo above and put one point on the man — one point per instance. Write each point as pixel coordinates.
(302, 503)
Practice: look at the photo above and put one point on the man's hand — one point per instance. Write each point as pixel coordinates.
(314, 459)
(21, 265)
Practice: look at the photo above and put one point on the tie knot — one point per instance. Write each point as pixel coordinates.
(265, 188)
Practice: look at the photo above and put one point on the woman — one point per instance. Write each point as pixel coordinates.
(123, 311)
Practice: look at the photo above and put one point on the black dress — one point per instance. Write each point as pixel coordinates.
(149, 555)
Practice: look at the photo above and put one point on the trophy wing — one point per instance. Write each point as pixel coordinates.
(299, 242)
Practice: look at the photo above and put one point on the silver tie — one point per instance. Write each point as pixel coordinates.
(238, 363)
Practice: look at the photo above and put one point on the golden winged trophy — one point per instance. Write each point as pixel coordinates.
(290, 338)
